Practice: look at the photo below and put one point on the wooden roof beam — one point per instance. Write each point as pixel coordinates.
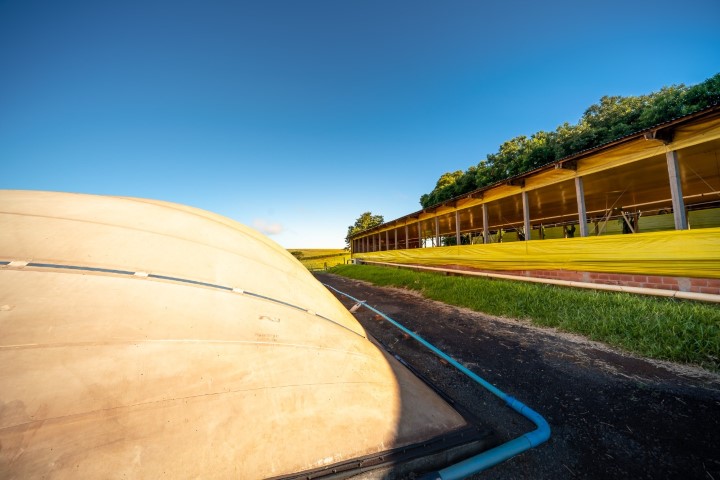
(664, 135)
(516, 182)
(569, 165)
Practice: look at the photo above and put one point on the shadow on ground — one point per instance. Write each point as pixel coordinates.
(612, 415)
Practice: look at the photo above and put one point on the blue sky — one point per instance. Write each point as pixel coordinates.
(296, 116)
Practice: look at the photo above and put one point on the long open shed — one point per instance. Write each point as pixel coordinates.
(644, 207)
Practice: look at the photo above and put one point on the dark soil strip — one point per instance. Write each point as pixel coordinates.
(612, 415)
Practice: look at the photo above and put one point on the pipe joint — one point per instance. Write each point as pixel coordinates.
(495, 455)
(537, 436)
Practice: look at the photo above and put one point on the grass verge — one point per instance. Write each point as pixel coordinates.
(319, 258)
(662, 328)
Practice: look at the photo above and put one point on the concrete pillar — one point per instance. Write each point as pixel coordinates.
(457, 227)
(420, 234)
(395, 247)
(387, 239)
(526, 215)
(486, 223)
(407, 236)
(676, 191)
(437, 231)
(582, 212)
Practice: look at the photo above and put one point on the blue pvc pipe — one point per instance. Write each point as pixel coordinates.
(495, 455)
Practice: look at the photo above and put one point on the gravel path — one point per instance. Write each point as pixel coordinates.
(612, 415)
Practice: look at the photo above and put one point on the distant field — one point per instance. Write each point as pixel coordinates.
(319, 258)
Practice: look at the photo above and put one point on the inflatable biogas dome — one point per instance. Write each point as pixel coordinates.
(144, 339)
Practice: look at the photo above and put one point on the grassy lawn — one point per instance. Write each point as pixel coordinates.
(317, 258)
(668, 329)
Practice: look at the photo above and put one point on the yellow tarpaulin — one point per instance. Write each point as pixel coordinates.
(685, 253)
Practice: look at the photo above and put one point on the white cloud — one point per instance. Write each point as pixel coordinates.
(266, 227)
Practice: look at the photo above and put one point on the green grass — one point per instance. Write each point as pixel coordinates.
(662, 328)
(318, 258)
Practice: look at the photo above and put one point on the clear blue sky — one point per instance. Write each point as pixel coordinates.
(297, 116)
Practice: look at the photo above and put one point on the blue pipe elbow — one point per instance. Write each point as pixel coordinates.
(502, 452)
(491, 457)
(542, 433)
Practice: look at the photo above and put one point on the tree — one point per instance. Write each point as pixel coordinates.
(363, 222)
(444, 189)
(612, 118)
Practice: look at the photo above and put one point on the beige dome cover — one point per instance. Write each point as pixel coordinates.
(143, 339)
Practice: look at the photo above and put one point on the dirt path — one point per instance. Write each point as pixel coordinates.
(612, 415)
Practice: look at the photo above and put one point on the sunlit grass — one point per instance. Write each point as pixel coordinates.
(320, 258)
(662, 328)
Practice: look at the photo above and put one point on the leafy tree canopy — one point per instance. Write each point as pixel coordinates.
(613, 117)
(363, 222)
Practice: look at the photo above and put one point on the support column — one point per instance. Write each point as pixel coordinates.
(582, 212)
(486, 223)
(437, 231)
(396, 244)
(676, 191)
(387, 239)
(367, 244)
(457, 227)
(407, 237)
(526, 215)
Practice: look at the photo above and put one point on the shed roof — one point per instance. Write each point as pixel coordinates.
(614, 183)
